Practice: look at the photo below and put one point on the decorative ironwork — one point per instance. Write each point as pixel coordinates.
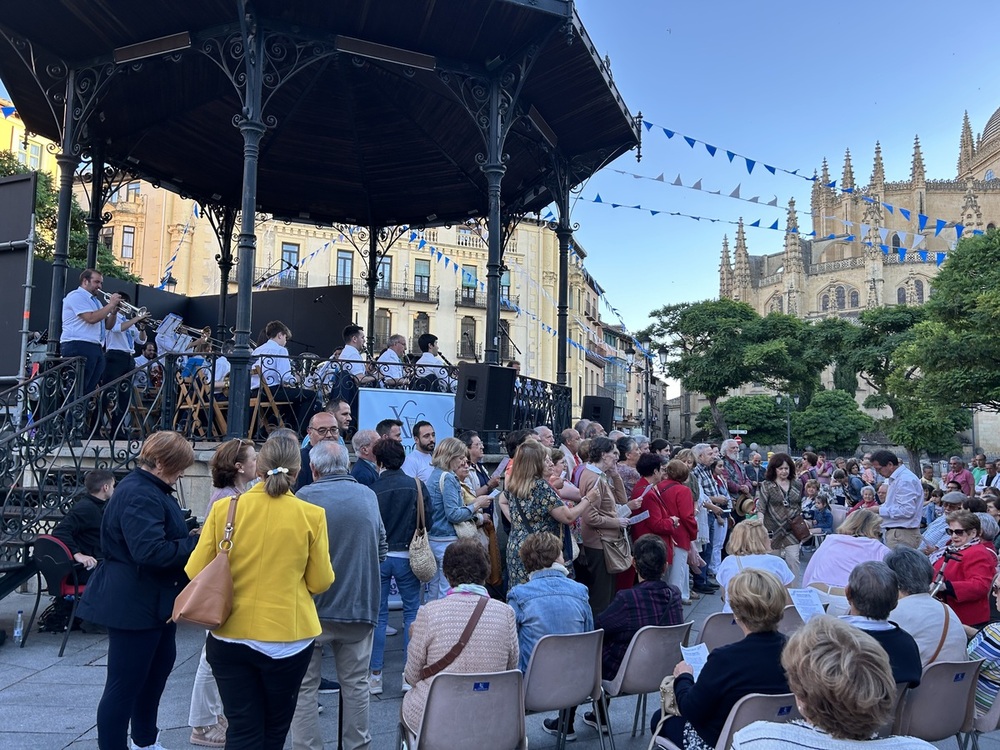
(393, 290)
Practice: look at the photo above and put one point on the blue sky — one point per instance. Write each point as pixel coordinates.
(783, 82)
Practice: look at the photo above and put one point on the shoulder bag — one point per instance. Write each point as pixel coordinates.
(422, 561)
(463, 529)
(617, 551)
(463, 640)
(208, 599)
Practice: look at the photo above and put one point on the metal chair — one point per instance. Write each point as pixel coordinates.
(839, 513)
(943, 705)
(748, 709)
(471, 710)
(653, 653)
(56, 565)
(719, 629)
(563, 672)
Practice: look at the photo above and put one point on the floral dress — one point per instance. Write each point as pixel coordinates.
(529, 515)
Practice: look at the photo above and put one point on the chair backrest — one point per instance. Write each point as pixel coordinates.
(473, 710)
(653, 653)
(54, 561)
(839, 513)
(564, 671)
(791, 621)
(944, 703)
(719, 629)
(757, 707)
(887, 729)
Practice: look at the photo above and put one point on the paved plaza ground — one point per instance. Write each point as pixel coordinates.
(49, 703)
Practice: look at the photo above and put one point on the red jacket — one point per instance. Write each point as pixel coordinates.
(677, 501)
(659, 521)
(971, 578)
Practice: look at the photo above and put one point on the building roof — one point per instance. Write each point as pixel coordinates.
(992, 130)
(355, 137)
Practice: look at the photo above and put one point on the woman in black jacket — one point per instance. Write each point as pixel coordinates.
(752, 665)
(146, 543)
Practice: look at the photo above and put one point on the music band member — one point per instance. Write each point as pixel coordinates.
(85, 322)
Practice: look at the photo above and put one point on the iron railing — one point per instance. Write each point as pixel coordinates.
(395, 290)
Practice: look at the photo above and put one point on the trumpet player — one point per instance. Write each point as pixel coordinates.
(120, 341)
(85, 323)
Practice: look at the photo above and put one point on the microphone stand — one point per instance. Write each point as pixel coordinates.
(269, 276)
(472, 345)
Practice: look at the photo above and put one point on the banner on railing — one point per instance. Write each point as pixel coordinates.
(409, 407)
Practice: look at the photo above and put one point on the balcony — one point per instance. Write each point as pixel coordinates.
(394, 290)
(466, 349)
(287, 279)
(471, 297)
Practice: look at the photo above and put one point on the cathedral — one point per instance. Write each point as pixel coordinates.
(878, 244)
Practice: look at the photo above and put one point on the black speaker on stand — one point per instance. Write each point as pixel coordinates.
(485, 397)
(600, 409)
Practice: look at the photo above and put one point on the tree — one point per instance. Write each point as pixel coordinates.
(46, 212)
(956, 349)
(760, 416)
(832, 422)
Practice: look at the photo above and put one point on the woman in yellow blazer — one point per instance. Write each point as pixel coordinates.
(280, 558)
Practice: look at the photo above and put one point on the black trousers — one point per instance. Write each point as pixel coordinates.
(139, 662)
(117, 363)
(259, 693)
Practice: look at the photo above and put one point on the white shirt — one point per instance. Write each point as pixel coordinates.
(272, 359)
(428, 364)
(390, 365)
(418, 465)
(923, 617)
(766, 735)
(122, 341)
(352, 361)
(736, 563)
(75, 328)
(904, 502)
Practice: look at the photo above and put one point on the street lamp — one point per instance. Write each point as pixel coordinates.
(630, 358)
(788, 416)
(169, 283)
(648, 366)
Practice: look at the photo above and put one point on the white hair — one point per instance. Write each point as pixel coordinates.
(329, 457)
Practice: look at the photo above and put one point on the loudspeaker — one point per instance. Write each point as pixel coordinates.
(485, 397)
(600, 409)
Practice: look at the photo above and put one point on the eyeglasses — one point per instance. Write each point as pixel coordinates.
(956, 532)
(325, 430)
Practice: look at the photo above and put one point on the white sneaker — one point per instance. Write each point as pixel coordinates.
(375, 684)
(390, 630)
(407, 687)
(155, 746)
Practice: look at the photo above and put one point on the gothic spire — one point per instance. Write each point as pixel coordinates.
(966, 147)
(741, 266)
(725, 271)
(847, 181)
(878, 169)
(793, 250)
(917, 176)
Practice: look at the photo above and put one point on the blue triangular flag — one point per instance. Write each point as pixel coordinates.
(731, 156)
(939, 225)
(7, 111)
(883, 232)
(939, 258)
(668, 133)
(653, 213)
(922, 255)
(648, 125)
(959, 228)
(598, 199)
(690, 141)
(885, 249)
(750, 165)
(774, 225)
(446, 262)
(887, 207)
(905, 213)
(770, 169)
(921, 222)
(711, 149)
(902, 254)
(756, 223)
(848, 190)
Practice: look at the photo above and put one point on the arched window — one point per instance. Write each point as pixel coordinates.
(467, 346)
(421, 325)
(855, 298)
(826, 302)
(991, 226)
(901, 296)
(841, 298)
(919, 286)
(895, 242)
(777, 304)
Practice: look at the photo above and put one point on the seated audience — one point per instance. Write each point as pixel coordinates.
(843, 688)
(985, 645)
(966, 569)
(869, 501)
(749, 547)
(752, 665)
(856, 541)
(80, 528)
(872, 592)
(492, 647)
(934, 625)
(935, 536)
(822, 516)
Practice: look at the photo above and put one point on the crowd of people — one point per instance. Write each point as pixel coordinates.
(602, 531)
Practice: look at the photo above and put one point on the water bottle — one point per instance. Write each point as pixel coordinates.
(19, 628)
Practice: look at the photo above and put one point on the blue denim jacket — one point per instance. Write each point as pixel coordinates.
(549, 603)
(447, 508)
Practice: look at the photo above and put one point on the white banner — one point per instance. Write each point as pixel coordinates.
(409, 407)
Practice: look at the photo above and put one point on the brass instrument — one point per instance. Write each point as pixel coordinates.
(130, 310)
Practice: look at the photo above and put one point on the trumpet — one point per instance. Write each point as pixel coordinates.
(130, 310)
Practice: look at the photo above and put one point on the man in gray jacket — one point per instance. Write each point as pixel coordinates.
(348, 610)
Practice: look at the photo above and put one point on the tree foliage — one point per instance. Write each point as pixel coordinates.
(760, 416)
(831, 422)
(46, 215)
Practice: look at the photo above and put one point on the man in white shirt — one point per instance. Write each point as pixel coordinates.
(273, 365)
(84, 323)
(933, 624)
(430, 364)
(418, 462)
(119, 357)
(390, 363)
(904, 501)
(352, 358)
(570, 440)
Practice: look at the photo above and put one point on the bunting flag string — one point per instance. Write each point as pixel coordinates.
(679, 182)
(173, 258)
(8, 112)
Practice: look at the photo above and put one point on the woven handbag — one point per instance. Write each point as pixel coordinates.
(208, 599)
(422, 561)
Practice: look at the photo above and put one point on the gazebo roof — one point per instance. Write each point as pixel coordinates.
(370, 133)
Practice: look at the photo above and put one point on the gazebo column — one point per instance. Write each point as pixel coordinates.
(374, 258)
(95, 217)
(252, 129)
(494, 170)
(223, 221)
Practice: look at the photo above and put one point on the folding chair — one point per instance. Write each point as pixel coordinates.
(471, 710)
(779, 708)
(265, 402)
(563, 672)
(57, 567)
(839, 513)
(653, 653)
(719, 629)
(943, 705)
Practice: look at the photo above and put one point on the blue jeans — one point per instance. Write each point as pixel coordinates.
(409, 592)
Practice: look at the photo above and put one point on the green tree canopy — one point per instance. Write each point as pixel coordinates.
(46, 212)
(760, 416)
(832, 421)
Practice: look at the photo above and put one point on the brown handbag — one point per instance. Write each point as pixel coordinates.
(208, 599)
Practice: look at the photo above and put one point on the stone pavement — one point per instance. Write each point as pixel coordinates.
(48, 703)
